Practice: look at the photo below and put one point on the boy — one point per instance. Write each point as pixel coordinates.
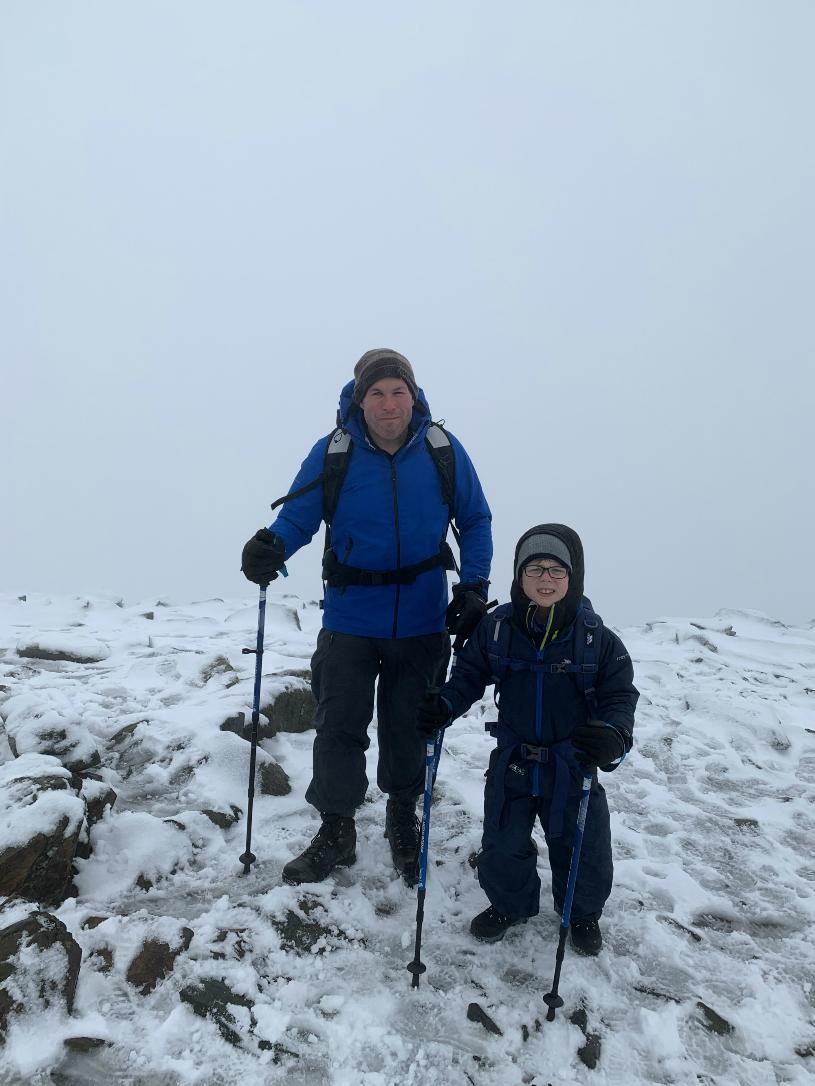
(566, 700)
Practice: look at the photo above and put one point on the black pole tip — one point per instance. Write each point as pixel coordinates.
(247, 860)
(552, 1001)
(416, 969)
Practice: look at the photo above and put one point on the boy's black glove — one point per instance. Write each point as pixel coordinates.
(433, 713)
(468, 607)
(263, 557)
(597, 744)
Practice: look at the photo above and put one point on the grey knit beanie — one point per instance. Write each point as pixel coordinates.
(538, 546)
(379, 363)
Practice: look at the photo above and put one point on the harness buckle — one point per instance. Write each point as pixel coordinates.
(560, 669)
(534, 754)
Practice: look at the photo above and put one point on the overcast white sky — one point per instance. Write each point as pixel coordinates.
(589, 226)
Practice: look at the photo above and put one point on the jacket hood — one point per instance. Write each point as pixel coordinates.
(350, 415)
(566, 610)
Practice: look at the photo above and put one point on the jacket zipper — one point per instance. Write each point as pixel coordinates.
(398, 544)
(536, 769)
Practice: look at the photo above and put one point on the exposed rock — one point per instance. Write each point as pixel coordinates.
(98, 796)
(155, 961)
(669, 920)
(43, 820)
(224, 819)
(713, 1021)
(303, 933)
(241, 725)
(648, 990)
(85, 1044)
(274, 781)
(234, 937)
(292, 710)
(123, 734)
(101, 959)
(805, 1050)
(34, 952)
(589, 1053)
(37, 723)
(475, 1013)
(219, 667)
(212, 998)
(72, 744)
(92, 922)
(64, 647)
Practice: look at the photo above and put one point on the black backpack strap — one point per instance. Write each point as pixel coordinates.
(335, 465)
(440, 448)
(586, 648)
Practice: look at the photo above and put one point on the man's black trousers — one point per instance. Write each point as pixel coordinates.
(344, 670)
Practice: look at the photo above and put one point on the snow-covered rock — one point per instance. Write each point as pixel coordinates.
(40, 821)
(39, 964)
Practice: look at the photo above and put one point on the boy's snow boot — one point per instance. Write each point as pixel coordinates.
(586, 937)
(335, 845)
(490, 926)
(402, 831)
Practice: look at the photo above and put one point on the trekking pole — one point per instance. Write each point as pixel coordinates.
(432, 755)
(248, 857)
(552, 999)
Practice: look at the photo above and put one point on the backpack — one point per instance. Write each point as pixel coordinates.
(583, 667)
(338, 452)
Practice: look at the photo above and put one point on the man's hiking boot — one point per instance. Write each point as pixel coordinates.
(335, 845)
(586, 937)
(490, 926)
(402, 832)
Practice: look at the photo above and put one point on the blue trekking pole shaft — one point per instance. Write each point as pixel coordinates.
(432, 755)
(552, 999)
(248, 858)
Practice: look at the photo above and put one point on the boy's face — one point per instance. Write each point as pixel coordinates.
(540, 585)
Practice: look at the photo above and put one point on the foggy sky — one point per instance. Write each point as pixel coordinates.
(589, 227)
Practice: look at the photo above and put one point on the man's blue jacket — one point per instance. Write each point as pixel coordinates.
(390, 514)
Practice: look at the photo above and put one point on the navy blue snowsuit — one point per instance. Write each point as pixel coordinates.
(538, 708)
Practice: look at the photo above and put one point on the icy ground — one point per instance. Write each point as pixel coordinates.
(708, 968)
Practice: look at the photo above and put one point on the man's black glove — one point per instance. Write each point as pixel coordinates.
(433, 713)
(263, 557)
(468, 607)
(597, 744)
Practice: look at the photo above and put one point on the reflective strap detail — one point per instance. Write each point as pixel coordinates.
(338, 445)
(436, 437)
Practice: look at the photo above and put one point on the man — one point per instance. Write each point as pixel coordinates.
(386, 613)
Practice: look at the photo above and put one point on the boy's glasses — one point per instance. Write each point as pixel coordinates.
(557, 573)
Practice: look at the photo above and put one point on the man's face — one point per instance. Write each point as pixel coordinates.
(387, 407)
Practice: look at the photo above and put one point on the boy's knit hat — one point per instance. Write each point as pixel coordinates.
(540, 545)
(378, 363)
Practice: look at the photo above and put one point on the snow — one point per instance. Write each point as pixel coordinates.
(713, 904)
